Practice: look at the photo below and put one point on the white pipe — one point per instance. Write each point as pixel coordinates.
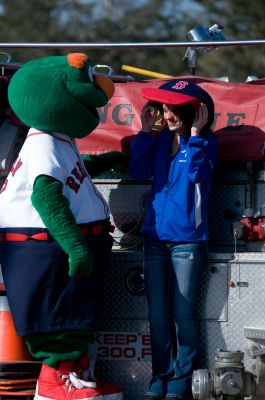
(225, 43)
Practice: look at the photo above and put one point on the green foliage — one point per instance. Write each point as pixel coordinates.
(242, 21)
(38, 21)
(118, 21)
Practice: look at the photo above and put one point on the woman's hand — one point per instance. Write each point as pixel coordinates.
(200, 120)
(148, 118)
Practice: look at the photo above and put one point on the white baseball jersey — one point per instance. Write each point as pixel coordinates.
(55, 155)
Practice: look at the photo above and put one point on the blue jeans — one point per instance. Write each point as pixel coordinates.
(172, 274)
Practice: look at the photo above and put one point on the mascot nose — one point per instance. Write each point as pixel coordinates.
(106, 85)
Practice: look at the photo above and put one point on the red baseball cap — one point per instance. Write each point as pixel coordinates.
(180, 92)
(170, 93)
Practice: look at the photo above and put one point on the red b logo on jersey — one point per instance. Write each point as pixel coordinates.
(180, 85)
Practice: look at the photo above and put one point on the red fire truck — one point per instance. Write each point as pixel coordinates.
(231, 306)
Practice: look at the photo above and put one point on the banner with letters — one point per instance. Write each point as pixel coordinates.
(239, 122)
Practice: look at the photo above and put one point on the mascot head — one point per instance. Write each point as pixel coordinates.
(59, 94)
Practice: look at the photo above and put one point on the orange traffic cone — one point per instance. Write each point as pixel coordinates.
(12, 347)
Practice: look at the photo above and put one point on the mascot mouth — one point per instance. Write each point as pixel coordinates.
(88, 108)
(92, 110)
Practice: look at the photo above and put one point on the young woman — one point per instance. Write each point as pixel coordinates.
(180, 160)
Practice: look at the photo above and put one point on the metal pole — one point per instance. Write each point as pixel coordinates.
(145, 45)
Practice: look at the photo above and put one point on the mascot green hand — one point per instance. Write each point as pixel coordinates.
(98, 164)
(56, 214)
(68, 108)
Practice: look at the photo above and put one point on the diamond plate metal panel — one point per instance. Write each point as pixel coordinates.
(213, 336)
(223, 312)
(124, 295)
(214, 308)
(126, 201)
(246, 300)
(131, 375)
(227, 203)
(123, 276)
(212, 300)
(260, 195)
(231, 171)
(134, 376)
(125, 314)
(232, 191)
(123, 325)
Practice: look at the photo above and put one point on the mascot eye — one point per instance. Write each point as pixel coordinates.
(91, 73)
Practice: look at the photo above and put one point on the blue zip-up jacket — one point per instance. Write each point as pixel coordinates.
(176, 208)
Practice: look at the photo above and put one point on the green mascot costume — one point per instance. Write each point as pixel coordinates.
(55, 223)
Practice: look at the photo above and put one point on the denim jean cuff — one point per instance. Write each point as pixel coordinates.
(152, 394)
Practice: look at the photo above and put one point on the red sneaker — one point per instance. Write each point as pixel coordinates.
(107, 390)
(63, 384)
